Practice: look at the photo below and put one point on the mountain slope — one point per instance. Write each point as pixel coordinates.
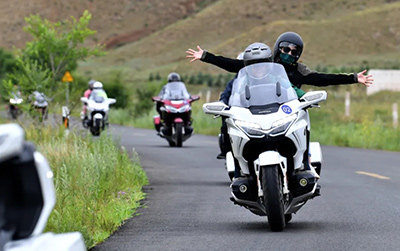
(148, 36)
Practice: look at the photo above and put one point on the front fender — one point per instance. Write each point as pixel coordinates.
(271, 158)
(98, 116)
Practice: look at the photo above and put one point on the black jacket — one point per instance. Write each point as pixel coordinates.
(299, 74)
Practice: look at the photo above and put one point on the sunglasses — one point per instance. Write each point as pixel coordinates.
(285, 47)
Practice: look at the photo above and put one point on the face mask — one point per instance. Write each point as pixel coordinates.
(287, 58)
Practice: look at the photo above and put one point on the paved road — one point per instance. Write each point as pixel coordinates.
(188, 207)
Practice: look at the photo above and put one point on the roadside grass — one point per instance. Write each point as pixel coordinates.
(97, 185)
(370, 124)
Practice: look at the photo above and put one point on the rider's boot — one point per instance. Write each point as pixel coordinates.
(307, 167)
(188, 130)
(166, 130)
(222, 155)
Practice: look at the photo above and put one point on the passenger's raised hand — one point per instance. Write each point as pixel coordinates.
(196, 55)
(366, 80)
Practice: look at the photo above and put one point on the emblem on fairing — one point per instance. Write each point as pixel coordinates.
(286, 109)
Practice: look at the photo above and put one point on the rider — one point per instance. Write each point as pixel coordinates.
(172, 77)
(287, 51)
(86, 95)
(224, 97)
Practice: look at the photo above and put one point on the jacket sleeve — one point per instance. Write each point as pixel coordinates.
(227, 92)
(228, 64)
(323, 79)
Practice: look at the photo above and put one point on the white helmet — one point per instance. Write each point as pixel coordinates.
(97, 85)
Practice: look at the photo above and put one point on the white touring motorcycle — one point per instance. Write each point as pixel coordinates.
(98, 106)
(27, 197)
(268, 128)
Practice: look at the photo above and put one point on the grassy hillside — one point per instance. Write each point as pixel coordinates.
(335, 33)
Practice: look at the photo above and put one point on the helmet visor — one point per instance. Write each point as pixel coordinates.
(291, 48)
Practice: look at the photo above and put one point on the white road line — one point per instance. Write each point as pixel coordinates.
(374, 175)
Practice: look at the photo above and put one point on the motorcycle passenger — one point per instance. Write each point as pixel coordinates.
(225, 146)
(172, 79)
(86, 94)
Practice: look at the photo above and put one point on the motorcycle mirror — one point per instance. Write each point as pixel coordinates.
(156, 98)
(195, 97)
(84, 99)
(112, 101)
(247, 92)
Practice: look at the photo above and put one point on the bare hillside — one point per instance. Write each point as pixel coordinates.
(117, 22)
(335, 32)
(148, 36)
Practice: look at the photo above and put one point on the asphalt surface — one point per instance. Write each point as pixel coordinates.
(188, 207)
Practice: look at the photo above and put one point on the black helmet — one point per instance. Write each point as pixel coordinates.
(286, 39)
(174, 77)
(256, 53)
(90, 83)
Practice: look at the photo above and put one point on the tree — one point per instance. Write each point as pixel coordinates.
(55, 48)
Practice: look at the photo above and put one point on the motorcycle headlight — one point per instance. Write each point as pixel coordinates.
(250, 128)
(170, 108)
(280, 126)
(183, 108)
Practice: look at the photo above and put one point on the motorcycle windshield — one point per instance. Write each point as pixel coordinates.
(175, 91)
(261, 84)
(40, 98)
(98, 96)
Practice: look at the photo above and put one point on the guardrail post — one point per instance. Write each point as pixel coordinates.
(347, 104)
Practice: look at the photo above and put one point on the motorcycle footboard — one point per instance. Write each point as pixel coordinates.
(297, 202)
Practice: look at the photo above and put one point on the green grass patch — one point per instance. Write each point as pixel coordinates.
(368, 126)
(98, 186)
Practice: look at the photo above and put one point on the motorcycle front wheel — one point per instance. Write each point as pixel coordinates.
(273, 197)
(179, 134)
(96, 127)
(13, 112)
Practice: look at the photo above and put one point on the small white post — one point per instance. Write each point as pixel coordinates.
(347, 104)
(395, 116)
(208, 97)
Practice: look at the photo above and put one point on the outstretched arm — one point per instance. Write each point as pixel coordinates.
(228, 64)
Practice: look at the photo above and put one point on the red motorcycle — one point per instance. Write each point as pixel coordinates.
(174, 106)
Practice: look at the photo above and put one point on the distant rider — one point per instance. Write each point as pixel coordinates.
(86, 94)
(163, 94)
